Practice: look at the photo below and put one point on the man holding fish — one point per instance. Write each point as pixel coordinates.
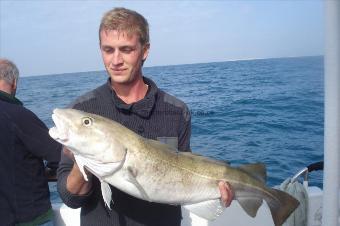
(137, 103)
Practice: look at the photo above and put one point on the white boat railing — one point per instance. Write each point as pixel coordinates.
(331, 179)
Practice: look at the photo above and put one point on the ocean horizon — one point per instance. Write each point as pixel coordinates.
(154, 66)
(243, 111)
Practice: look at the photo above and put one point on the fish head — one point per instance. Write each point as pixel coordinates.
(87, 135)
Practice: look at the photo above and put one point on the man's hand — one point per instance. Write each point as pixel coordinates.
(227, 194)
(76, 183)
(68, 153)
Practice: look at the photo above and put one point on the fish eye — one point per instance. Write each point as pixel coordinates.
(87, 121)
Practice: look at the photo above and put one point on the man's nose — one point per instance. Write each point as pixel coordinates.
(117, 58)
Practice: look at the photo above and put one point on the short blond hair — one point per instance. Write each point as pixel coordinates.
(126, 20)
(8, 71)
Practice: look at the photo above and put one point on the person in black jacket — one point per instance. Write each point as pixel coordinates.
(24, 145)
(135, 101)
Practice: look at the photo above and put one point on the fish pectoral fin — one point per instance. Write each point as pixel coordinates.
(250, 204)
(99, 169)
(106, 193)
(81, 164)
(104, 169)
(131, 177)
(209, 210)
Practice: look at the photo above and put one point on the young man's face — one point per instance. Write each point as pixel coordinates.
(122, 55)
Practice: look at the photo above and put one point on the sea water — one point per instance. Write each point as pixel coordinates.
(267, 110)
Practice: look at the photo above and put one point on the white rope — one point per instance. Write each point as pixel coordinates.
(297, 190)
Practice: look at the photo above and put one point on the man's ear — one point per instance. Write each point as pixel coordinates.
(14, 86)
(146, 49)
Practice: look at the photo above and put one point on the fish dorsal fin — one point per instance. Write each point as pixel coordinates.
(250, 204)
(209, 210)
(256, 170)
(204, 158)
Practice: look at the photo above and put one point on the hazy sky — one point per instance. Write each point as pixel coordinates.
(52, 37)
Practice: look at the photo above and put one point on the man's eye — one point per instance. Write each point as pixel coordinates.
(126, 50)
(108, 50)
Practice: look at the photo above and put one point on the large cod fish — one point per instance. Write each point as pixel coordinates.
(156, 172)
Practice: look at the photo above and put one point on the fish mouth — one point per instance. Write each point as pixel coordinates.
(59, 131)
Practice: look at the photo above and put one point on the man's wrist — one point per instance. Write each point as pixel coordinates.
(76, 183)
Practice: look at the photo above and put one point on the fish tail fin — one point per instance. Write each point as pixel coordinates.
(281, 205)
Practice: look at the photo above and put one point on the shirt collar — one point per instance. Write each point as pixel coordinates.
(142, 107)
(9, 98)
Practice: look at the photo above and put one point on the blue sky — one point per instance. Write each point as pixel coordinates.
(52, 37)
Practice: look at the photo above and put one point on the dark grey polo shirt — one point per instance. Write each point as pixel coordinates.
(157, 116)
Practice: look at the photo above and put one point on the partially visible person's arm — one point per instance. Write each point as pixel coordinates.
(34, 134)
(185, 131)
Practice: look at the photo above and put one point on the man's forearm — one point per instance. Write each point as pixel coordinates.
(76, 184)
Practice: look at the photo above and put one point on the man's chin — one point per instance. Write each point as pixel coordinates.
(120, 79)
